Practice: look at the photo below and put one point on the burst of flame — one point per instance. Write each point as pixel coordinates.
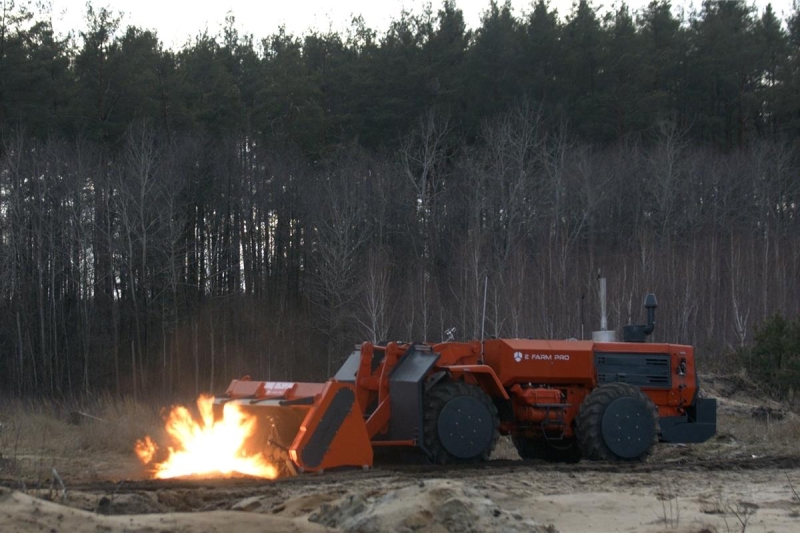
(207, 447)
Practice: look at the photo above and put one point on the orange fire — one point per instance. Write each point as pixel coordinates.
(207, 447)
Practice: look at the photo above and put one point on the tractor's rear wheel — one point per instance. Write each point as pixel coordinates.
(561, 452)
(460, 423)
(617, 422)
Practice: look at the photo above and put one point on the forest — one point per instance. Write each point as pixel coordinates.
(174, 218)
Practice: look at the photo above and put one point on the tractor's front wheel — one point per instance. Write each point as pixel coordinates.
(460, 423)
(617, 421)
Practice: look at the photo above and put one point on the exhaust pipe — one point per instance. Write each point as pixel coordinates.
(650, 304)
(639, 332)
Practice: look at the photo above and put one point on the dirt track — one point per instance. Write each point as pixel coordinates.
(495, 468)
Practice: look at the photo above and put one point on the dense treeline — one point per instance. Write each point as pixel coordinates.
(170, 219)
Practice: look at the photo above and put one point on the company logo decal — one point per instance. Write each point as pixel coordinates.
(519, 356)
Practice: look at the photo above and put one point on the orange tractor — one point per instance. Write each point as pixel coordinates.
(558, 400)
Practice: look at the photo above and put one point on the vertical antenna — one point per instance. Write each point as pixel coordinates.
(583, 321)
(483, 318)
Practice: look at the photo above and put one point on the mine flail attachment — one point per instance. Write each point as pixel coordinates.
(303, 427)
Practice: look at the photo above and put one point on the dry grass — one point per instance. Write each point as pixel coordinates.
(37, 436)
(52, 426)
(767, 436)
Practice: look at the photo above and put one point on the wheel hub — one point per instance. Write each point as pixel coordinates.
(465, 427)
(627, 427)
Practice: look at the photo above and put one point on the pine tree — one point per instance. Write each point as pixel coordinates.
(496, 59)
(772, 48)
(621, 79)
(543, 56)
(664, 48)
(583, 48)
(724, 72)
(788, 101)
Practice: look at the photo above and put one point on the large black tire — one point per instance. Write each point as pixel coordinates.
(562, 452)
(617, 422)
(460, 423)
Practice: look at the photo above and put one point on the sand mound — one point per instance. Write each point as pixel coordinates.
(737, 394)
(22, 513)
(432, 506)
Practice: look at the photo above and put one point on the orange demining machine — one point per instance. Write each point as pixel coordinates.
(559, 400)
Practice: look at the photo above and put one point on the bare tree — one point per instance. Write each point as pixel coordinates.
(740, 284)
(341, 228)
(376, 299)
(137, 204)
(422, 157)
(664, 180)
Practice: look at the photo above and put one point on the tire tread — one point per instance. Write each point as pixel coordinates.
(436, 399)
(589, 421)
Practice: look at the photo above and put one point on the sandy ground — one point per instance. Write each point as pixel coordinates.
(726, 495)
(745, 479)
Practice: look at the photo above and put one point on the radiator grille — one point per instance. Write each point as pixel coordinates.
(642, 370)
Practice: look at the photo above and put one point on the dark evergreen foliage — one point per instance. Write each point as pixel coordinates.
(773, 358)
